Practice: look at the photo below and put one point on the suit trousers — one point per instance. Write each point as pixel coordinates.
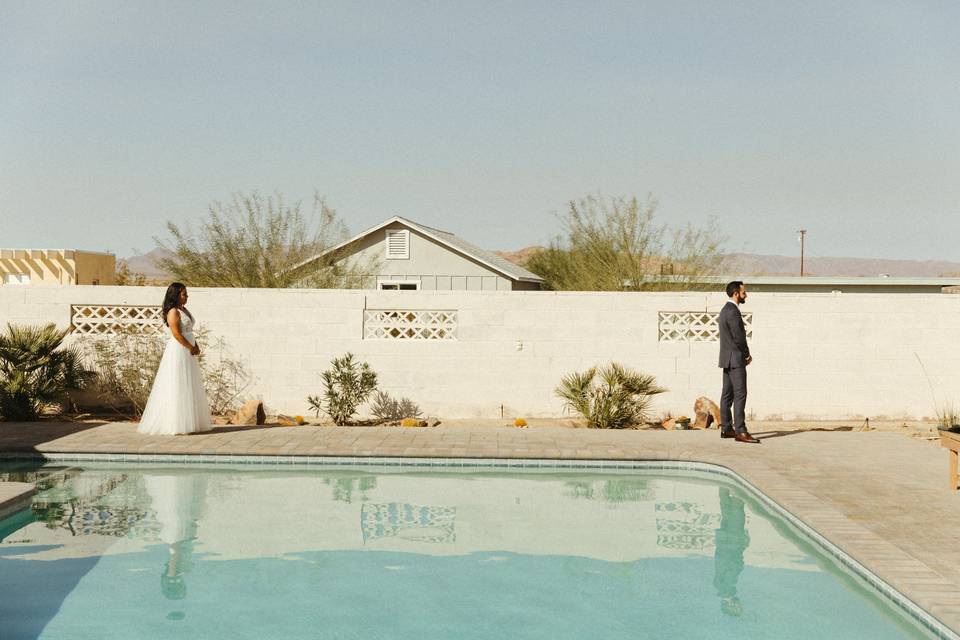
(734, 393)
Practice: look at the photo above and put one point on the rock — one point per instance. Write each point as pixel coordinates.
(251, 413)
(669, 424)
(221, 420)
(707, 413)
(286, 421)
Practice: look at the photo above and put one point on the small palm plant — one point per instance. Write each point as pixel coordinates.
(346, 385)
(36, 370)
(612, 397)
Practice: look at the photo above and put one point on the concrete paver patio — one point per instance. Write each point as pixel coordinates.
(880, 496)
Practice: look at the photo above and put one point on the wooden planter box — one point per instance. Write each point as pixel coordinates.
(951, 441)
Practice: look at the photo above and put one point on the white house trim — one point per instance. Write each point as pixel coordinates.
(520, 274)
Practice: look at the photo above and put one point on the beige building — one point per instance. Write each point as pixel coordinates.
(405, 255)
(56, 266)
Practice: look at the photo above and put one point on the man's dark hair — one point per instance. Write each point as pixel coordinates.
(733, 287)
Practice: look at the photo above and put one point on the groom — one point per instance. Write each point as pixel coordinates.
(734, 358)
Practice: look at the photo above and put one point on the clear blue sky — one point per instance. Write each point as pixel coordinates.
(484, 118)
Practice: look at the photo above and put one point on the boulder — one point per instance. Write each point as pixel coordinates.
(707, 413)
(251, 413)
(669, 424)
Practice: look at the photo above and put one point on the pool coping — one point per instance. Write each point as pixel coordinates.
(14, 497)
(887, 592)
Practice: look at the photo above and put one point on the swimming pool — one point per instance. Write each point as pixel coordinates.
(211, 552)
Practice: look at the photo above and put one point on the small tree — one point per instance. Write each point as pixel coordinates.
(609, 244)
(346, 385)
(126, 277)
(621, 397)
(36, 370)
(252, 241)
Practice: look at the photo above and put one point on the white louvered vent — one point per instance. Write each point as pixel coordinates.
(398, 244)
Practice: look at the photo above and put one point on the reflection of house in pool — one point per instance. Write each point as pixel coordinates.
(684, 525)
(72, 499)
(408, 522)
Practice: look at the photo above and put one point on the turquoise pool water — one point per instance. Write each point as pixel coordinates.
(180, 552)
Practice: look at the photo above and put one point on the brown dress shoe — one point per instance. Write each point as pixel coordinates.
(746, 437)
(727, 433)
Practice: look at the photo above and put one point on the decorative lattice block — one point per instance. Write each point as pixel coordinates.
(408, 521)
(100, 319)
(694, 326)
(399, 324)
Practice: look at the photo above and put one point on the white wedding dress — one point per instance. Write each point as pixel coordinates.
(178, 402)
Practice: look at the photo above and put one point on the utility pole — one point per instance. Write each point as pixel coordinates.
(803, 234)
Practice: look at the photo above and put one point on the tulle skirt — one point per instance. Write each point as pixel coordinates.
(178, 402)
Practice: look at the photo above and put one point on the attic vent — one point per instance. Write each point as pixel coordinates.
(398, 244)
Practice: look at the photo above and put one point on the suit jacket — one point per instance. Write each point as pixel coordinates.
(733, 337)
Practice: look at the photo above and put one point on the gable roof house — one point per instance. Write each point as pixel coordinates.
(407, 255)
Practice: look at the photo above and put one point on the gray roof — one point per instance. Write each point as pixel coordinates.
(503, 265)
(458, 244)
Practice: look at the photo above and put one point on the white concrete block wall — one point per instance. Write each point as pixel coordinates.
(817, 355)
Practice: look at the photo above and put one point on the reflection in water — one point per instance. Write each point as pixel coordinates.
(731, 540)
(69, 499)
(475, 555)
(614, 491)
(177, 504)
(408, 522)
(684, 525)
(343, 488)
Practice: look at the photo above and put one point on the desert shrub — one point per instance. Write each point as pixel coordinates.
(262, 241)
(36, 370)
(612, 243)
(225, 376)
(346, 385)
(386, 408)
(126, 364)
(612, 397)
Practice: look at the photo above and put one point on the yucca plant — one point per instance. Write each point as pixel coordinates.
(346, 385)
(611, 397)
(36, 370)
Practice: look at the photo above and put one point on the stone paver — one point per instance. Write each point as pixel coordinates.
(878, 495)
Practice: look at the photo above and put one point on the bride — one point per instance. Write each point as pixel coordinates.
(178, 402)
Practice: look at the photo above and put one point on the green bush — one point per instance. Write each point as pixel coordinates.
(36, 370)
(612, 397)
(346, 385)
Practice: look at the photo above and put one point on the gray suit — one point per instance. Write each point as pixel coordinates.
(734, 352)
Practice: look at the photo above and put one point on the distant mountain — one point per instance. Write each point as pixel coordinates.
(746, 264)
(146, 264)
(751, 264)
(757, 265)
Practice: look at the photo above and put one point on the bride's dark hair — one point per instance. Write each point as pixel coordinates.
(171, 300)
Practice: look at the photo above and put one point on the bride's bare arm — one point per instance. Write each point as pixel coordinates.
(173, 321)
